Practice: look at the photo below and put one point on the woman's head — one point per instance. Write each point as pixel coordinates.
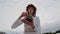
(31, 9)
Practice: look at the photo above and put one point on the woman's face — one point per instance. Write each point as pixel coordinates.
(30, 10)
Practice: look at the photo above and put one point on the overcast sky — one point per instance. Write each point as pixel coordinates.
(47, 10)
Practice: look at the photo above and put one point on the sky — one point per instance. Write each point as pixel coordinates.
(48, 12)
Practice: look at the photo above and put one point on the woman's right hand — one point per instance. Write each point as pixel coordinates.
(23, 14)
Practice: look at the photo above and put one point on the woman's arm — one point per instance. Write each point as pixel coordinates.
(29, 23)
(25, 21)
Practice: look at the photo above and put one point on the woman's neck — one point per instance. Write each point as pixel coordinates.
(30, 14)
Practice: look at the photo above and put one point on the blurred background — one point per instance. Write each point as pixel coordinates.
(47, 10)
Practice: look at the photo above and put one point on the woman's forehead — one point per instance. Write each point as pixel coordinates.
(31, 7)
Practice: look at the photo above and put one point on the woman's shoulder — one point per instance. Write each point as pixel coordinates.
(36, 17)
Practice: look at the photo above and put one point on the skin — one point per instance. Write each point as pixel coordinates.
(30, 11)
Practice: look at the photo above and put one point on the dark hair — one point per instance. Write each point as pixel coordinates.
(31, 5)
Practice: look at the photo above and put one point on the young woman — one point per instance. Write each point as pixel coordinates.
(30, 20)
(32, 23)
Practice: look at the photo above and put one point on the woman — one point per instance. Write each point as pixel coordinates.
(30, 20)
